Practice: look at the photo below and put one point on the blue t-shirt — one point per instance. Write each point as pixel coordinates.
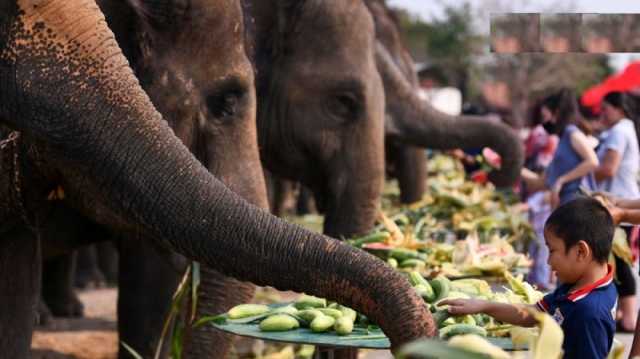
(564, 160)
(586, 316)
(622, 139)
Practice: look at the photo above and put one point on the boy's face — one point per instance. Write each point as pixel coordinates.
(568, 264)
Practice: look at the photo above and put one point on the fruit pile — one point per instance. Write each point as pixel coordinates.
(440, 288)
(321, 316)
(308, 311)
(460, 228)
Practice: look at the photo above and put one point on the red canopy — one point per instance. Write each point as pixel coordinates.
(624, 81)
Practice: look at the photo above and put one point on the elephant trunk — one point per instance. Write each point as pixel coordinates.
(349, 214)
(73, 89)
(352, 201)
(415, 122)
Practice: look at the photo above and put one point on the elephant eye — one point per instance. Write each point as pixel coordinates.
(344, 106)
(225, 105)
(226, 99)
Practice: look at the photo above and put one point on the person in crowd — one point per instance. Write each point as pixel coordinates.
(539, 150)
(619, 159)
(579, 235)
(574, 158)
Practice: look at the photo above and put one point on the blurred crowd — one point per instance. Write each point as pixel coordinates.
(570, 149)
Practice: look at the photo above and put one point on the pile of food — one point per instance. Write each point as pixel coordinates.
(316, 314)
(461, 228)
(320, 316)
(440, 288)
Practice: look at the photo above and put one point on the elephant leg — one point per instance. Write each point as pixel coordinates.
(148, 277)
(87, 272)
(217, 294)
(43, 318)
(411, 171)
(57, 286)
(20, 264)
(281, 191)
(305, 198)
(108, 261)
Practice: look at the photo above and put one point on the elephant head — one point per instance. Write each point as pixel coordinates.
(66, 83)
(412, 121)
(191, 61)
(321, 104)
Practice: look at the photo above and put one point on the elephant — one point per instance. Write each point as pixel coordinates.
(203, 86)
(412, 123)
(68, 89)
(320, 104)
(302, 61)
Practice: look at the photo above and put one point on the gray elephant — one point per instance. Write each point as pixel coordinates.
(67, 88)
(411, 122)
(197, 74)
(321, 104)
(192, 63)
(319, 115)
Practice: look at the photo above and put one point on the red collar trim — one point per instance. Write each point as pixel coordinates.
(580, 293)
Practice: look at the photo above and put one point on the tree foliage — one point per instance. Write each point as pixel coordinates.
(453, 44)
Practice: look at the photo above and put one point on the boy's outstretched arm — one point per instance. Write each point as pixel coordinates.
(507, 313)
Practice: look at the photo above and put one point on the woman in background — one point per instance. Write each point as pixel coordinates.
(574, 158)
(617, 174)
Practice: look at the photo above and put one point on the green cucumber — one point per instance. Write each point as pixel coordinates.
(322, 323)
(459, 329)
(279, 323)
(247, 310)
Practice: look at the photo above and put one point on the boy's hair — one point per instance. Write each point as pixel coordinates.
(583, 219)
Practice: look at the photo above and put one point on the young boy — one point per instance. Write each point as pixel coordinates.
(579, 235)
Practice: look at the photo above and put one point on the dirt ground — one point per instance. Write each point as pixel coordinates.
(91, 337)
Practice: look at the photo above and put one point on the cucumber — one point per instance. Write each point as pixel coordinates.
(416, 278)
(466, 319)
(412, 263)
(288, 309)
(247, 310)
(392, 262)
(349, 313)
(402, 254)
(343, 326)
(279, 323)
(440, 316)
(440, 287)
(458, 329)
(334, 313)
(309, 301)
(375, 237)
(426, 292)
(322, 323)
(447, 322)
(309, 315)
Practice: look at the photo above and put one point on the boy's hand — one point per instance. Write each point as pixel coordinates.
(464, 306)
